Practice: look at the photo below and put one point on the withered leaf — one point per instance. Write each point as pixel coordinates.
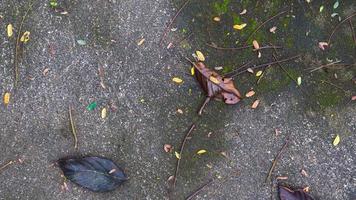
(288, 194)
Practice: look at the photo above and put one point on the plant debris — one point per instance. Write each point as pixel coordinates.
(7, 96)
(289, 194)
(74, 131)
(336, 140)
(255, 104)
(168, 148)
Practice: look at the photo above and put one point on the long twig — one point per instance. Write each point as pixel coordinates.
(74, 132)
(269, 19)
(322, 66)
(352, 31)
(240, 48)
(192, 195)
(337, 26)
(7, 164)
(266, 64)
(274, 163)
(171, 22)
(16, 59)
(181, 152)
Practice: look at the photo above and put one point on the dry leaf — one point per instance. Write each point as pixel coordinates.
(336, 140)
(259, 73)
(250, 70)
(306, 189)
(217, 19)
(353, 98)
(177, 80)
(250, 93)
(192, 71)
(282, 177)
(25, 37)
(243, 12)
(273, 29)
(112, 171)
(45, 72)
(139, 43)
(259, 54)
(201, 151)
(214, 80)
(103, 113)
(167, 148)
(255, 104)
(170, 45)
(223, 153)
(7, 98)
(299, 80)
(10, 30)
(304, 173)
(180, 111)
(255, 44)
(200, 56)
(239, 26)
(177, 155)
(171, 178)
(323, 45)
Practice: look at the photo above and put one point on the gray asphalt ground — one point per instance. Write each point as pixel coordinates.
(142, 104)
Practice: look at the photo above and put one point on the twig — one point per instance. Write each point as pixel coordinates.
(271, 18)
(337, 26)
(322, 66)
(276, 160)
(192, 195)
(74, 132)
(181, 152)
(268, 47)
(171, 22)
(16, 59)
(235, 70)
(228, 48)
(7, 164)
(352, 31)
(207, 99)
(266, 64)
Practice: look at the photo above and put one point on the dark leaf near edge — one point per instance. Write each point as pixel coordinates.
(94, 173)
(288, 194)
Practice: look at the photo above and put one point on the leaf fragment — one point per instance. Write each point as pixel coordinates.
(25, 37)
(255, 44)
(92, 106)
(167, 148)
(250, 93)
(321, 9)
(336, 4)
(177, 155)
(81, 42)
(10, 30)
(353, 98)
(336, 140)
(140, 42)
(323, 45)
(255, 104)
(177, 80)
(214, 80)
(244, 11)
(7, 98)
(250, 70)
(200, 56)
(104, 113)
(299, 80)
(217, 19)
(192, 71)
(202, 151)
(259, 73)
(239, 26)
(273, 29)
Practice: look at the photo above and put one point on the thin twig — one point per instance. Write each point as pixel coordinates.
(337, 26)
(271, 18)
(7, 164)
(228, 48)
(237, 69)
(207, 99)
(192, 195)
(322, 66)
(171, 22)
(74, 132)
(16, 59)
(352, 31)
(276, 160)
(268, 47)
(181, 152)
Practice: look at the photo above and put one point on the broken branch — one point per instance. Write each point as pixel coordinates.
(191, 196)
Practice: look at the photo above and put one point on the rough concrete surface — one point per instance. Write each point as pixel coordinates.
(35, 125)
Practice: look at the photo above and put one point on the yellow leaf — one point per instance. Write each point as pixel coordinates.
(201, 151)
(103, 113)
(177, 155)
(25, 37)
(10, 31)
(217, 19)
(214, 80)
(200, 56)
(192, 71)
(7, 98)
(336, 140)
(177, 80)
(240, 26)
(259, 73)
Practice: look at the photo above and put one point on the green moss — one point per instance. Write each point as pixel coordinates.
(221, 7)
(328, 98)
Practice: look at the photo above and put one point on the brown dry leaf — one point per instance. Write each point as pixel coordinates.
(140, 42)
(304, 173)
(353, 98)
(255, 104)
(180, 111)
(323, 45)
(171, 178)
(217, 19)
(250, 93)
(168, 148)
(7, 98)
(306, 189)
(255, 44)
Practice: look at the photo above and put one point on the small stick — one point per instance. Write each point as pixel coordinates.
(337, 26)
(203, 105)
(268, 47)
(171, 22)
(228, 48)
(322, 66)
(16, 59)
(7, 164)
(352, 30)
(74, 132)
(240, 67)
(276, 159)
(192, 195)
(181, 152)
(271, 18)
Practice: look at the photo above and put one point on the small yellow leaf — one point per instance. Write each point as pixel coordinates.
(177, 80)
(25, 37)
(7, 98)
(200, 56)
(239, 26)
(192, 71)
(177, 155)
(201, 151)
(259, 73)
(103, 113)
(10, 31)
(214, 80)
(336, 140)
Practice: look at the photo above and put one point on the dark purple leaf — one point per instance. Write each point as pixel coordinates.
(95, 173)
(288, 194)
